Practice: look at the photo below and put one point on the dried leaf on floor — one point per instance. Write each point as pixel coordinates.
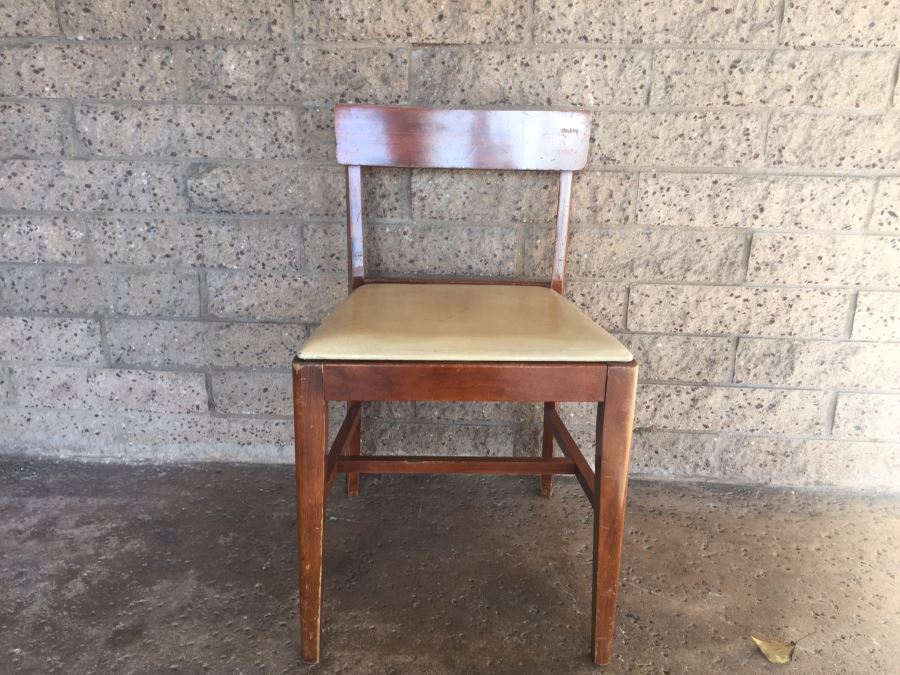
(775, 650)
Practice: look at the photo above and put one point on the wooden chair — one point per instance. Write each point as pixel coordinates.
(462, 340)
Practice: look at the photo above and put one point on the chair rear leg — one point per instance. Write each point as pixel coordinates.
(354, 449)
(547, 452)
(615, 417)
(311, 433)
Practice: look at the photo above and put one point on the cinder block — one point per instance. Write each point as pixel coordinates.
(795, 363)
(256, 295)
(386, 410)
(517, 77)
(295, 190)
(299, 74)
(60, 433)
(509, 197)
(753, 22)
(416, 249)
(36, 239)
(786, 461)
(468, 21)
(477, 411)
(392, 438)
(872, 416)
(260, 189)
(693, 408)
(539, 242)
(40, 129)
(451, 250)
(325, 247)
(678, 139)
(50, 339)
(226, 114)
(75, 185)
(886, 215)
(673, 454)
(680, 358)
(173, 130)
(834, 141)
(758, 459)
(483, 197)
(877, 316)
(198, 242)
(385, 194)
(28, 19)
(200, 344)
(825, 259)
(603, 301)
(739, 78)
(105, 389)
(195, 20)
(315, 139)
(831, 23)
(645, 255)
(253, 393)
(88, 290)
(779, 202)
(603, 198)
(730, 310)
(71, 70)
(580, 415)
(178, 438)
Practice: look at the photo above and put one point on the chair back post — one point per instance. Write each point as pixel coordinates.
(356, 266)
(434, 138)
(561, 245)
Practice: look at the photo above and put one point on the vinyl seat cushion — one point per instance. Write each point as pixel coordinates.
(460, 322)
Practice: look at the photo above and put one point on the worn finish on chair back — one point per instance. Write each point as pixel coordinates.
(388, 136)
(461, 139)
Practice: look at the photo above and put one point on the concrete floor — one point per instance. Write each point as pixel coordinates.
(114, 569)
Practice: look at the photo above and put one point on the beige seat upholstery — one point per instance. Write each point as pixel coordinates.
(460, 322)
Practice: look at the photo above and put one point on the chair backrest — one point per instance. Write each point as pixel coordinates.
(393, 136)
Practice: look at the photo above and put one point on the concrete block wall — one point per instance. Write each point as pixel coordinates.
(171, 219)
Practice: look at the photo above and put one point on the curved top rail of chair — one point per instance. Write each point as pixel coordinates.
(401, 136)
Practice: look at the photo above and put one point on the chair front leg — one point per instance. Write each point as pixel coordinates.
(615, 418)
(310, 428)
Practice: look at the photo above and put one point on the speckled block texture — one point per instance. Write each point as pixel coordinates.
(171, 220)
